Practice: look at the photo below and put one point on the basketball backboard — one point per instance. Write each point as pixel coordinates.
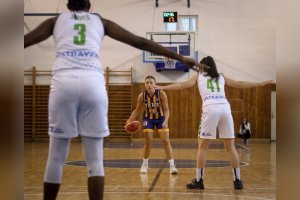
(180, 42)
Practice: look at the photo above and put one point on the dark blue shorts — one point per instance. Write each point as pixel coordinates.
(150, 124)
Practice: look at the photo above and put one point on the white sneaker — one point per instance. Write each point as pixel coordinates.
(144, 169)
(144, 179)
(173, 170)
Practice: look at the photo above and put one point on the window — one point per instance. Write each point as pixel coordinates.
(171, 26)
(188, 24)
(184, 23)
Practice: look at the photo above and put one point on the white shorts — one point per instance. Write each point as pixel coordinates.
(78, 104)
(216, 116)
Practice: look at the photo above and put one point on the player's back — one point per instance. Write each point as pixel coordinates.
(78, 37)
(212, 90)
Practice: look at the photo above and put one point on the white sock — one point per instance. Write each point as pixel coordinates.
(171, 162)
(145, 161)
(236, 173)
(199, 174)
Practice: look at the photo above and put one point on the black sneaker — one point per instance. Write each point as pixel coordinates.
(195, 184)
(238, 184)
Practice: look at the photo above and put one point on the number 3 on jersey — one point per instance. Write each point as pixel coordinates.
(211, 86)
(80, 38)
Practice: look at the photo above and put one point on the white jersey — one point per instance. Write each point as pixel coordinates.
(211, 90)
(78, 37)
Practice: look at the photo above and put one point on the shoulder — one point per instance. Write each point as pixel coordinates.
(141, 94)
(223, 77)
(162, 94)
(53, 20)
(50, 22)
(104, 21)
(97, 15)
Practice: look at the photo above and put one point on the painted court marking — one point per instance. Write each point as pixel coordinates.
(179, 193)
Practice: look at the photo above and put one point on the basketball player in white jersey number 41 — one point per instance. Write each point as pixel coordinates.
(216, 114)
(78, 102)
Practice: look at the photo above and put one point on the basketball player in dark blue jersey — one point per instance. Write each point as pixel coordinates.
(154, 102)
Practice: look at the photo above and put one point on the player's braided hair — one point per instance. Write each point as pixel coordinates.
(79, 5)
(212, 70)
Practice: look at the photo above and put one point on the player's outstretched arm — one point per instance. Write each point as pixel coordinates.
(137, 110)
(245, 84)
(181, 85)
(40, 33)
(116, 32)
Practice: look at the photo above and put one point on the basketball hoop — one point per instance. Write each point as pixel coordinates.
(169, 63)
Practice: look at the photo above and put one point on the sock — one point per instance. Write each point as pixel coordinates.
(96, 187)
(236, 173)
(145, 161)
(199, 174)
(50, 190)
(171, 162)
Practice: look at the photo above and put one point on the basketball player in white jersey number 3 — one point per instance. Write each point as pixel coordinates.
(78, 100)
(216, 114)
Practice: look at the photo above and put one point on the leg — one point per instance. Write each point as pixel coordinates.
(147, 145)
(58, 152)
(235, 162)
(202, 151)
(226, 131)
(247, 136)
(93, 149)
(207, 131)
(197, 183)
(164, 136)
(230, 148)
(147, 150)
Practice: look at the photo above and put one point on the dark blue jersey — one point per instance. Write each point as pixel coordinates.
(153, 105)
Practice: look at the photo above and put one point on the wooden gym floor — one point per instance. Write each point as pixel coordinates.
(123, 180)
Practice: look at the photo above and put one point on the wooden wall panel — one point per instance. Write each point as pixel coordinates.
(185, 110)
(28, 112)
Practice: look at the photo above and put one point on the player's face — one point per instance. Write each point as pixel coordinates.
(149, 84)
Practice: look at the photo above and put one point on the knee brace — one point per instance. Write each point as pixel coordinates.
(58, 152)
(93, 148)
(95, 168)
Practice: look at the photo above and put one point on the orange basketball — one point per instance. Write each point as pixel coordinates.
(132, 127)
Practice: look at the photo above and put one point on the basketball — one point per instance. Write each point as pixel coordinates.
(132, 127)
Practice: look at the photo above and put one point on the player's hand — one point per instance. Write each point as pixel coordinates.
(165, 124)
(199, 67)
(128, 121)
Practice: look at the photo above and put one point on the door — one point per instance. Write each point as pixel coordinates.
(273, 116)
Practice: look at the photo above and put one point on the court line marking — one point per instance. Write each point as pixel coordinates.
(242, 146)
(138, 186)
(157, 176)
(185, 193)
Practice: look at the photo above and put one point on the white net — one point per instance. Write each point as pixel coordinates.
(169, 63)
